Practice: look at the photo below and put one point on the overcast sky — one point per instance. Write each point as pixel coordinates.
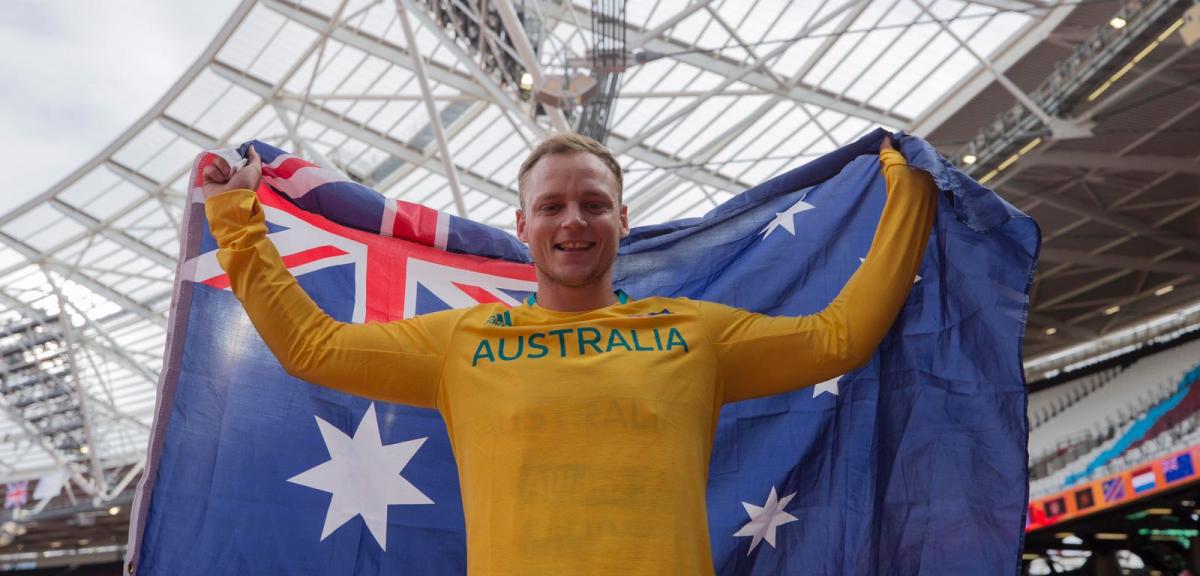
(78, 72)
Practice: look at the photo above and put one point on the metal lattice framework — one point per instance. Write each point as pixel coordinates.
(1100, 148)
(717, 96)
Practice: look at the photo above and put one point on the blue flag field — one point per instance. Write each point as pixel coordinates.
(913, 464)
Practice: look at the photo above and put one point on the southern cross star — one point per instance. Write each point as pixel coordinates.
(830, 386)
(786, 219)
(363, 475)
(764, 520)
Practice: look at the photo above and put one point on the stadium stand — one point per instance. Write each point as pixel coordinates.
(1046, 404)
(1113, 419)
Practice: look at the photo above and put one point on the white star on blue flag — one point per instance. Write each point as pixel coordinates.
(363, 475)
(786, 219)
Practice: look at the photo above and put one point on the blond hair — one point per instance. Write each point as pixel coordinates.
(567, 143)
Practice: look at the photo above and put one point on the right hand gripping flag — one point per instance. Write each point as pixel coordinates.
(914, 463)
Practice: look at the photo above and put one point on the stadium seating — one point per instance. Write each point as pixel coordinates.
(1046, 404)
(1117, 418)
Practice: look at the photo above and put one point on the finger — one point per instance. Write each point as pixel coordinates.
(252, 156)
(213, 175)
(221, 165)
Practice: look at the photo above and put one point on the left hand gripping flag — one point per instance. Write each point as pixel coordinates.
(912, 464)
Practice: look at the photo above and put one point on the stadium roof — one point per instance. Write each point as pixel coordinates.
(721, 95)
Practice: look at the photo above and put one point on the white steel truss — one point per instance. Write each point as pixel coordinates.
(721, 95)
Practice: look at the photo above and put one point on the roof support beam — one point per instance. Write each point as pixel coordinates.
(372, 45)
(1055, 198)
(435, 118)
(1134, 85)
(134, 177)
(318, 47)
(1109, 162)
(661, 186)
(760, 62)
(35, 257)
(645, 36)
(1012, 171)
(1117, 262)
(218, 42)
(112, 350)
(728, 67)
(516, 32)
(829, 40)
(1002, 59)
(466, 84)
(698, 175)
(115, 352)
(81, 397)
(381, 141)
(1139, 294)
(1009, 5)
(92, 488)
(122, 238)
(739, 75)
(1059, 128)
(427, 153)
(499, 96)
(302, 144)
(188, 133)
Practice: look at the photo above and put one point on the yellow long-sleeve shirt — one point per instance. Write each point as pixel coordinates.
(582, 439)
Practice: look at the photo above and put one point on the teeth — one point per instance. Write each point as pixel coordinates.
(574, 245)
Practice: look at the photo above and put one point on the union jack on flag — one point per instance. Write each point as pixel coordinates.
(16, 494)
(391, 280)
(1177, 467)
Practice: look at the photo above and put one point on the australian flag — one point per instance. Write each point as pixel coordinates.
(912, 464)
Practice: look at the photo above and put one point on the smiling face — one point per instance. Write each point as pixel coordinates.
(573, 221)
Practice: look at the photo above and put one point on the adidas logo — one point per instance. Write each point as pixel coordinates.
(499, 319)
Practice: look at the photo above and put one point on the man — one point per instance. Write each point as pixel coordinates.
(581, 421)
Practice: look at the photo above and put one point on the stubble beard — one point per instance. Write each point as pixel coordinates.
(594, 275)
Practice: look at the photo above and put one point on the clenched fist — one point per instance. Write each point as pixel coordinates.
(219, 177)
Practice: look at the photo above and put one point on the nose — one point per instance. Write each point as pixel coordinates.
(573, 217)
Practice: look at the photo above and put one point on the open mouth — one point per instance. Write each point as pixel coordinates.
(574, 246)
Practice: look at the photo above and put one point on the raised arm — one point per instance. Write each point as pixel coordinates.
(396, 362)
(763, 355)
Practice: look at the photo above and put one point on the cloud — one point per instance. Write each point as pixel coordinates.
(79, 73)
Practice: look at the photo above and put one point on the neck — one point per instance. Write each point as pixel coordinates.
(561, 298)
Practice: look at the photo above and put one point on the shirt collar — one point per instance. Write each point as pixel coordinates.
(622, 298)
